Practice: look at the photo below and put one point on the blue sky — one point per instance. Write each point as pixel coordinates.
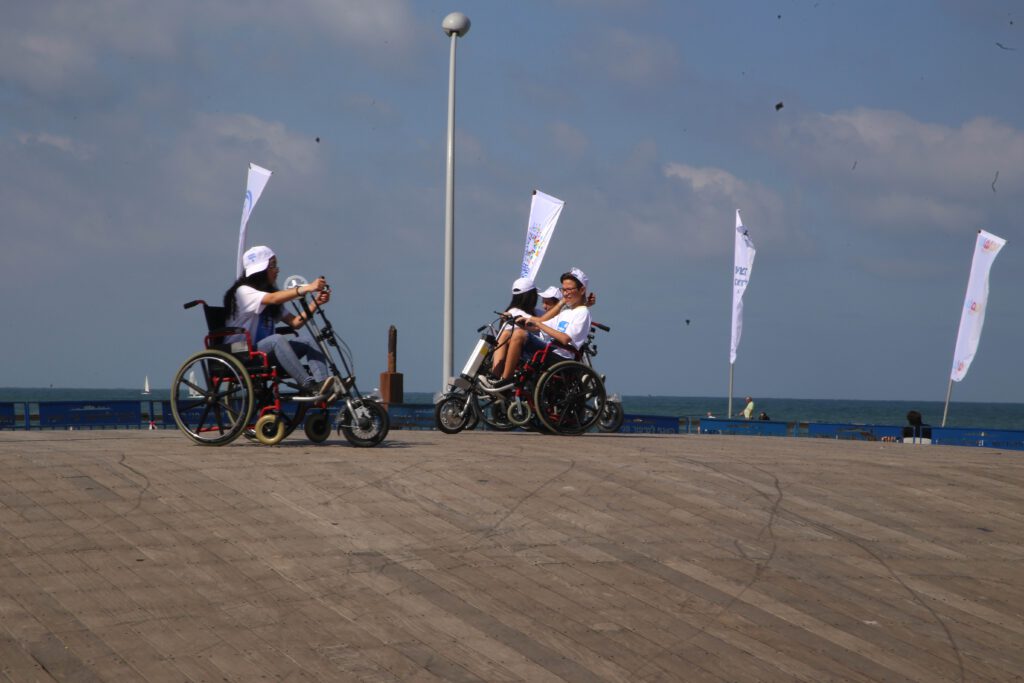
(127, 128)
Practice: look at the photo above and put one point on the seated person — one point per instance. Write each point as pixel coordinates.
(522, 305)
(568, 324)
(548, 298)
(254, 303)
(915, 428)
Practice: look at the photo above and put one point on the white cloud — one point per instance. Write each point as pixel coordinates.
(219, 146)
(51, 47)
(893, 170)
(59, 142)
(711, 195)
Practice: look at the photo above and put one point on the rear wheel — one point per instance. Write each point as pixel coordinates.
(569, 398)
(453, 413)
(364, 422)
(212, 398)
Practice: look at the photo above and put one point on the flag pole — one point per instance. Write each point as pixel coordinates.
(949, 392)
(731, 366)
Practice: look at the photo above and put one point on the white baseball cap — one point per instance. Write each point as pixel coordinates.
(551, 293)
(256, 259)
(579, 275)
(523, 284)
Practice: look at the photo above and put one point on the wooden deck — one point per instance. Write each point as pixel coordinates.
(136, 556)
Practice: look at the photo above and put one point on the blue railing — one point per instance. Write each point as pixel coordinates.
(157, 414)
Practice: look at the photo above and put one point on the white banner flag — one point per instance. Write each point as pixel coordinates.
(743, 263)
(544, 213)
(972, 318)
(257, 180)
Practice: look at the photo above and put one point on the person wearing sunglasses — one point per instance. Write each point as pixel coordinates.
(568, 324)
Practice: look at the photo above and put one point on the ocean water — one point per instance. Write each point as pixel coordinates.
(990, 415)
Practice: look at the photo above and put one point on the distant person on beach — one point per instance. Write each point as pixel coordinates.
(916, 429)
(748, 411)
(763, 416)
(255, 303)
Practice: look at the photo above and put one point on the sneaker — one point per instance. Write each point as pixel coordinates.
(494, 385)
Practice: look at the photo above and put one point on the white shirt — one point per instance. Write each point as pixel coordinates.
(249, 314)
(575, 322)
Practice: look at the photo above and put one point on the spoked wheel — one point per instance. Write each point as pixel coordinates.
(569, 398)
(271, 429)
(452, 414)
(212, 398)
(611, 418)
(364, 422)
(318, 427)
(493, 410)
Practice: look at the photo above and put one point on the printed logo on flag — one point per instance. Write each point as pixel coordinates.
(990, 245)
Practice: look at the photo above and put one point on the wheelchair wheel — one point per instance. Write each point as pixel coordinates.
(318, 427)
(363, 422)
(611, 418)
(271, 429)
(493, 410)
(569, 398)
(519, 413)
(212, 398)
(452, 414)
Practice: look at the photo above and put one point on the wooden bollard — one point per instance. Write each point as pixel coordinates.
(391, 390)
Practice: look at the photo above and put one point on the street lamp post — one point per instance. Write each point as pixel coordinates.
(455, 25)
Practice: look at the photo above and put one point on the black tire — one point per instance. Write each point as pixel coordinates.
(212, 398)
(368, 426)
(271, 429)
(452, 415)
(317, 427)
(611, 418)
(569, 398)
(493, 410)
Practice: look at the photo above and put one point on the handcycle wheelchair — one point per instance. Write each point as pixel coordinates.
(230, 389)
(549, 392)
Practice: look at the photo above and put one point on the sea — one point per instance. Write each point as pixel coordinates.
(843, 411)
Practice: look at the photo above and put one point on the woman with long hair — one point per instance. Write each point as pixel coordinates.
(523, 305)
(255, 304)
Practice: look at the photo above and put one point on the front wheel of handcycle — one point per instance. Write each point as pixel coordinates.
(364, 422)
(569, 398)
(453, 413)
(271, 429)
(317, 427)
(212, 398)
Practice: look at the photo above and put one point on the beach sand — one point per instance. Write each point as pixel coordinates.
(508, 557)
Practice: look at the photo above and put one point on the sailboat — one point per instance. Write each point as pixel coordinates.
(145, 387)
(192, 393)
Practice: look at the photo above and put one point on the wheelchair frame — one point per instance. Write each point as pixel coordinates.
(565, 396)
(239, 392)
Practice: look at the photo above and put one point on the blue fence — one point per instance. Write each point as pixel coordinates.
(146, 414)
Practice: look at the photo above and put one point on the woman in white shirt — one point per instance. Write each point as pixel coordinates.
(255, 303)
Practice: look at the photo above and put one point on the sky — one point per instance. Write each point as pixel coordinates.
(865, 143)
